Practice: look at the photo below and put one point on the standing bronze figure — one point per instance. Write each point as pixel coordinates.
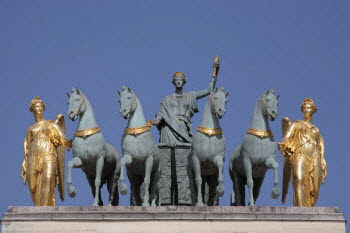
(304, 162)
(43, 164)
(176, 110)
(174, 124)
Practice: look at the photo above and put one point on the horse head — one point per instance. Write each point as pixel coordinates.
(218, 100)
(269, 104)
(127, 102)
(76, 104)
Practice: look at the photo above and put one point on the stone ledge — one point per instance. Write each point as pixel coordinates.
(130, 213)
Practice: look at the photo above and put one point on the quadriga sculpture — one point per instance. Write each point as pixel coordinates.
(99, 160)
(208, 148)
(140, 154)
(250, 161)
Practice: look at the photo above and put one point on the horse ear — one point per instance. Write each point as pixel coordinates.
(118, 92)
(78, 91)
(129, 90)
(278, 96)
(227, 94)
(68, 95)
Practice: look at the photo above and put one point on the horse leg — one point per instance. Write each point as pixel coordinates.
(154, 186)
(125, 161)
(99, 168)
(135, 187)
(212, 183)
(219, 163)
(250, 183)
(74, 163)
(272, 164)
(198, 178)
(112, 187)
(91, 182)
(147, 179)
(257, 185)
(236, 198)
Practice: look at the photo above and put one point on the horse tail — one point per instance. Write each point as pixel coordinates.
(234, 156)
(233, 159)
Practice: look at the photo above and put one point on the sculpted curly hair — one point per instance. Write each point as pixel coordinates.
(34, 101)
(311, 102)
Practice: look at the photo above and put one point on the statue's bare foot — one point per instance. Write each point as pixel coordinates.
(154, 203)
(275, 193)
(220, 190)
(71, 191)
(123, 189)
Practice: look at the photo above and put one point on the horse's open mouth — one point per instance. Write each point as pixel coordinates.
(125, 116)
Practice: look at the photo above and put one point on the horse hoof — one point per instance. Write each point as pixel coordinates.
(220, 190)
(145, 204)
(72, 191)
(275, 193)
(95, 204)
(123, 189)
(200, 203)
(252, 204)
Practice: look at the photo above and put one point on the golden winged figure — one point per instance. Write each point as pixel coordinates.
(43, 163)
(304, 161)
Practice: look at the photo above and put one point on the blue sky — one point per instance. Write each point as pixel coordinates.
(299, 48)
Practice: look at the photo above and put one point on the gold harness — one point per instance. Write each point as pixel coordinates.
(209, 131)
(87, 132)
(139, 130)
(260, 133)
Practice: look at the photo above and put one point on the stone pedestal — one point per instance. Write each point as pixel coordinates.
(174, 182)
(174, 219)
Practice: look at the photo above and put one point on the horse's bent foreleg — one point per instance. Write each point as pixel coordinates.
(74, 163)
(219, 163)
(125, 161)
(147, 179)
(272, 164)
(198, 178)
(250, 182)
(99, 167)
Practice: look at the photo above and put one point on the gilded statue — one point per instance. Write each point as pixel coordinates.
(43, 163)
(304, 161)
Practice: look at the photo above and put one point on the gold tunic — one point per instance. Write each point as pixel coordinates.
(303, 148)
(43, 161)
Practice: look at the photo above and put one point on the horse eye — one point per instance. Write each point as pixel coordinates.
(216, 98)
(118, 101)
(129, 98)
(77, 100)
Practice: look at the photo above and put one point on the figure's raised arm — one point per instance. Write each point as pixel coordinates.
(212, 83)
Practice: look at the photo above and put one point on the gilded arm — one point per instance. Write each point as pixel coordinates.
(62, 140)
(24, 163)
(283, 145)
(323, 160)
